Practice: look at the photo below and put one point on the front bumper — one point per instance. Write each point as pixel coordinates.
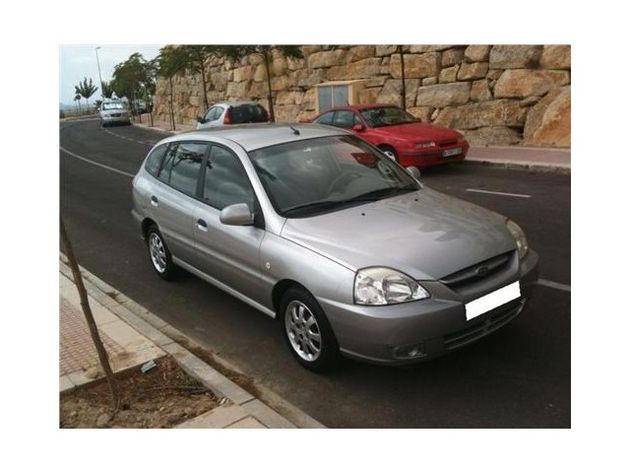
(434, 326)
(432, 156)
(119, 119)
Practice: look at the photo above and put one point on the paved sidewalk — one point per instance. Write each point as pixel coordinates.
(132, 335)
(542, 159)
(513, 157)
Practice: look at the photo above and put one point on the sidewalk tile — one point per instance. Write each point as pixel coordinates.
(266, 415)
(247, 423)
(217, 418)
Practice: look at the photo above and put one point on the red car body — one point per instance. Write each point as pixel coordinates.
(411, 144)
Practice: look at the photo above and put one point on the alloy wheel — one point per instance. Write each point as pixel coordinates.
(303, 331)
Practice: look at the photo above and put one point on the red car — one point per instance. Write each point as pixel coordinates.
(399, 134)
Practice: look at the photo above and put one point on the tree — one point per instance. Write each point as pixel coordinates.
(195, 57)
(265, 52)
(107, 90)
(169, 62)
(134, 78)
(403, 89)
(89, 317)
(85, 89)
(77, 99)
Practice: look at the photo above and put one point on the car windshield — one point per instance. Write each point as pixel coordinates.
(321, 175)
(249, 113)
(112, 106)
(385, 116)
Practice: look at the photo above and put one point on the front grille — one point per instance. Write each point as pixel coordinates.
(477, 271)
(115, 115)
(494, 320)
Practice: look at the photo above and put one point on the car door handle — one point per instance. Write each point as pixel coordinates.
(202, 225)
(154, 201)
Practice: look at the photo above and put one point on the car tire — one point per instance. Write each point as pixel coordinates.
(159, 254)
(307, 331)
(390, 152)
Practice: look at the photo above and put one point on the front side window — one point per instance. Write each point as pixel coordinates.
(226, 182)
(154, 161)
(318, 175)
(182, 165)
(344, 119)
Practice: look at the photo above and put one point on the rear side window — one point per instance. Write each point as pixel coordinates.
(249, 113)
(326, 118)
(154, 161)
(225, 181)
(182, 165)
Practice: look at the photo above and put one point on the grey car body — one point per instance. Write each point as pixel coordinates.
(114, 111)
(456, 250)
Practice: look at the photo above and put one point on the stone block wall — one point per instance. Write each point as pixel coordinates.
(494, 94)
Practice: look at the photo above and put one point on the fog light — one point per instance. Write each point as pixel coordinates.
(409, 351)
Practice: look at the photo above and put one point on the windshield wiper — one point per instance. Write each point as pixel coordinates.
(381, 193)
(313, 206)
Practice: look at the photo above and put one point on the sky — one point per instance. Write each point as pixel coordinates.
(77, 61)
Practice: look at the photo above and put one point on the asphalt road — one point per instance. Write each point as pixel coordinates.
(518, 377)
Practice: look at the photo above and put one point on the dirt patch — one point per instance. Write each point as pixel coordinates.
(239, 378)
(163, 397)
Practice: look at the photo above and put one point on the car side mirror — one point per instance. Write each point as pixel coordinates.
(236, 214)
(414, 171)
(200, 119)
(358, 127)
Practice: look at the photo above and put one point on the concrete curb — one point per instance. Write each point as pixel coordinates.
(519, 166)
(162, 334)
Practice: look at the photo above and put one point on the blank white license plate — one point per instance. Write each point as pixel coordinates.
(493, 300)
(451, 152)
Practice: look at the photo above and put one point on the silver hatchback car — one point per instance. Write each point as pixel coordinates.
(317, 228)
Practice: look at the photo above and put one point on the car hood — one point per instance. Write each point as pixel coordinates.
(419, 131)
(426, 234)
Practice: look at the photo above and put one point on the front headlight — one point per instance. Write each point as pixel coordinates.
(425, 144)
(383, 286)
(519, 235)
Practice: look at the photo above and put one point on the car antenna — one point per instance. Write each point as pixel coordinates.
(295, 130)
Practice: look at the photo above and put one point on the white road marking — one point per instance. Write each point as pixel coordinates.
(554, 285)
(104, 166)
(508, 194)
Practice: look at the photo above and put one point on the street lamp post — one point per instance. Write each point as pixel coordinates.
(100, 78)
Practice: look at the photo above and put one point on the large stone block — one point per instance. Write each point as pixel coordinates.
(449, 74)
(427, 48)
(494, 135)
(385, 50)
(556, 56)
(443, 95)
(477, 52)
(506, 56)
(526, 82)
(416, 65)
(480, 91)
(422, 113)
(326, 58)
(390, 93)
(357, 53)
(244, 73)
(452, 56)
(362, 69)
(549, 121)
(476, 115)
(472, 70)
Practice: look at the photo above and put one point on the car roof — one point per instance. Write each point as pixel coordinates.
(260, 135)
(234, 103)
(362, 106)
